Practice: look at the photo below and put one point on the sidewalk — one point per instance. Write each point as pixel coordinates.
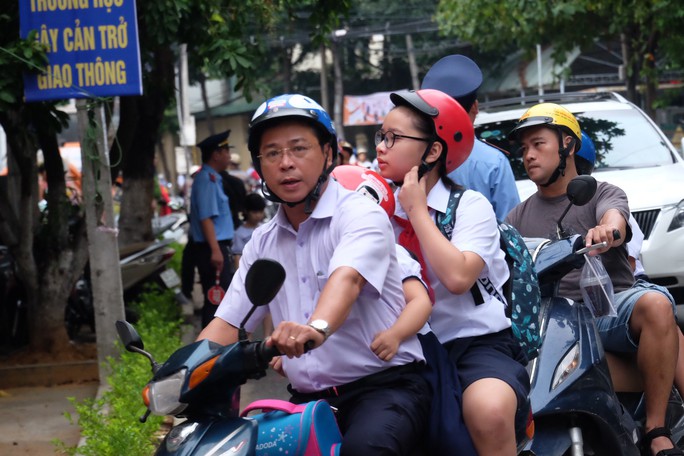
(32, 417)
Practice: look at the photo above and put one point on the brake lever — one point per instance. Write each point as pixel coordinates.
(588, 249)
(600, 245)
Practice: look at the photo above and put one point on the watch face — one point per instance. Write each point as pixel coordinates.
(320, 325)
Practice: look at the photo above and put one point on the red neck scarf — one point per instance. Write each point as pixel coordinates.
(409, 240)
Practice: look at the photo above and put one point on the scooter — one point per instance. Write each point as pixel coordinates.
(200, 382)
(574, 403)
(140, 264)
(13, 324)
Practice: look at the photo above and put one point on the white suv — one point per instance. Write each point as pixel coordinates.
(632, 153)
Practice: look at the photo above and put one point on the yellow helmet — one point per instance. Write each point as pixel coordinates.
(558, 118)
(552, 115)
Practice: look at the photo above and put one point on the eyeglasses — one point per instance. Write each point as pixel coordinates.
(389, 138)
(274, 156)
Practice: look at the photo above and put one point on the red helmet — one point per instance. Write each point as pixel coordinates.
(367, 182)
(452, 124)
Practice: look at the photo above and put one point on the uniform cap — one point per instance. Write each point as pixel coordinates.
(213, 142)
(457, 76)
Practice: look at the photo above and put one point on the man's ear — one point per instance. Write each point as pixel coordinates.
(474, 111)
(327, 150)
(569, 143)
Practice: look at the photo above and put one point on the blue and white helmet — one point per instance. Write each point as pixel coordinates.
(288, 105)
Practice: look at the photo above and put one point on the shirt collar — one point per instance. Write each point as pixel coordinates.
(438, 198)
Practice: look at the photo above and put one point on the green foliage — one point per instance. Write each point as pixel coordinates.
(177, 258)
(566, 24)
(110, 424)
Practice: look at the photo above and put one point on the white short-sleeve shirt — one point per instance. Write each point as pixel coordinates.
(345, 229)
(475, 230)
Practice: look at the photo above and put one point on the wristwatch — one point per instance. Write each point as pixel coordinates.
(322, 327)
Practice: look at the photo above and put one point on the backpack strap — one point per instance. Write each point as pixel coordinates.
(445, 223)
(268, 405)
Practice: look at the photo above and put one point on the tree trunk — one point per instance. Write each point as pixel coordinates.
(338, 86)
(630, 65)
(651, 72)
(207, 107)
(138, 139)
(50, 259)
(287, 70)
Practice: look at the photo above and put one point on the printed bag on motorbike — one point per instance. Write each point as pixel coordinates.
(521, 290)
(295, 429)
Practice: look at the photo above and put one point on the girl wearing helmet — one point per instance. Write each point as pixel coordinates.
(343, 286)
(446, 429)
(423, 138)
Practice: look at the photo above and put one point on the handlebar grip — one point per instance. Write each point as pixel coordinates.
(268, 353)
(616, 235)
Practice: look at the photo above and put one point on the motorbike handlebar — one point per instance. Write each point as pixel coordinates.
(268, 353)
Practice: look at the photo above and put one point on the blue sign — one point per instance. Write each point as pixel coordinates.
(92, 48)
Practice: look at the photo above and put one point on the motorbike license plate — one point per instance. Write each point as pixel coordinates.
(170, 278)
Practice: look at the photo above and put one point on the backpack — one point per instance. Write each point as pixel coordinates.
(521, 290)
(308, 429)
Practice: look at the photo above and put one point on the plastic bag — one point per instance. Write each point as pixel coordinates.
(597, 288)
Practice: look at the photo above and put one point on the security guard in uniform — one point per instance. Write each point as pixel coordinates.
(211, 223)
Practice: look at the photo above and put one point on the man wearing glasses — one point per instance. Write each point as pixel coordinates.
(343, 285)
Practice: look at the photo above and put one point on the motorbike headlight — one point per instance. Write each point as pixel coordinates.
(678, 218)
(566, 366)
(164, 394)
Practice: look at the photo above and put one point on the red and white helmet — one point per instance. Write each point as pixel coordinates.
(452, 123)
(367, 182)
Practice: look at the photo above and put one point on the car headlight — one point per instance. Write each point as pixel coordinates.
(566, 366)
(678, 218)
(163, 395)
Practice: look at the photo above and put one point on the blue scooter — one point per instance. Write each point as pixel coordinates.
(200, 382)
(576, 409)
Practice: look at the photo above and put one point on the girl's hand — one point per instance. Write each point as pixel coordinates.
(385, 345)
(413, 193)
(277, 365)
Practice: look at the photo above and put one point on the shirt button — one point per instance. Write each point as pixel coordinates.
(306, 314)
(303, 279)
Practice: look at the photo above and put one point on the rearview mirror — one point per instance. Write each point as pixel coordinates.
(581, 190)
(129, 336)
(263, 281)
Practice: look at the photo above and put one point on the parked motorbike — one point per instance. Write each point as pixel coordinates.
(13, 325)
(141, 263)
(200, 382)
(574, 401)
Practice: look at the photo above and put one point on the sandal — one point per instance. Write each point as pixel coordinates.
(654, 434)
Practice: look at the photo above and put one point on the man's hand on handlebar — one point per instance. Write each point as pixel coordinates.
(602, 233)
(294, 339)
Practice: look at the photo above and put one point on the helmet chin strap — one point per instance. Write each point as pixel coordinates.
(563, 154)
(310, 198)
